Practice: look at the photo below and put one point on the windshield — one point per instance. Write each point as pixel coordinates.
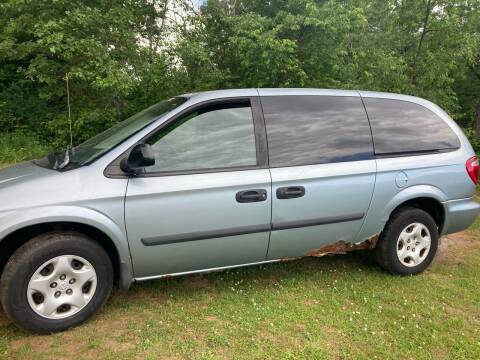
(107, 140)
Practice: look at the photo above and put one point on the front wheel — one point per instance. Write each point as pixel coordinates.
(55, 281)
(408, 243)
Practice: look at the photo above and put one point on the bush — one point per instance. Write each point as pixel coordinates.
(474, 140)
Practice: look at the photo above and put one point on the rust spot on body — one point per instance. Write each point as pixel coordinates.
(342, 247)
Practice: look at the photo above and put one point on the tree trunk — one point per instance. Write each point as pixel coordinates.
(428, 11)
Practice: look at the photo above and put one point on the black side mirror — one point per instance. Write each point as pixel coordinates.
(140, 156)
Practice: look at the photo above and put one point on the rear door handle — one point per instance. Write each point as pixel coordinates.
(290, 192)
(249, 196)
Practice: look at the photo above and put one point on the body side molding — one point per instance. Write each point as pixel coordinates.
(204, 235)
(244, 230)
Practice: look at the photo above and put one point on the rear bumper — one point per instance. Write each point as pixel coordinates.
(459, 214)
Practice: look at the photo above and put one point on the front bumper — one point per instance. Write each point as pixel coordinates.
(459, 215)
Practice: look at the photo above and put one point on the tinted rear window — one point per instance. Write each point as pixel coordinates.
(305, 130)
(405, 127)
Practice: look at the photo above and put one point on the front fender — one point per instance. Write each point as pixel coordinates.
(10, 221)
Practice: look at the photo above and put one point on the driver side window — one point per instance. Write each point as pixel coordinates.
(212, 137)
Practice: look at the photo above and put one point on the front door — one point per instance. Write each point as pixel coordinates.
(206, 203)
(322, 167)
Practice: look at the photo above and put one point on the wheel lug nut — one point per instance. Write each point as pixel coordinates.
(413, 249)
(57, 293)
(408, 247)
(71, 281)
(69, 291)
(408, 241)
(53, 285)
(62, 277)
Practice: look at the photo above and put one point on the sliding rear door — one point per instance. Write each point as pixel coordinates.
(322, 168)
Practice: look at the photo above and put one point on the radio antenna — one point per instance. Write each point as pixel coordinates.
(69, 114)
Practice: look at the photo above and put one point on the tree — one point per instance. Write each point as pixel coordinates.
(96, 43)
(124, 56)
(467, 15)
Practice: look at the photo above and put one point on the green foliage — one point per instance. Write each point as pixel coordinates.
(121, 57)
(474, 140)
(94, 43)
(19, 146)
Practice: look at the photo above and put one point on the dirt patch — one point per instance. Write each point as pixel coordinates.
(453, 247)
(88, 341)
(113, 330)
(142, 293)
(310, 302)
(119, 345)
(110, 334)
(441, 354)
(198, 282)
(36, 344)
(212, 318)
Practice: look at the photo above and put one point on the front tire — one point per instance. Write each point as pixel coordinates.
(408, 243)
(55, 281)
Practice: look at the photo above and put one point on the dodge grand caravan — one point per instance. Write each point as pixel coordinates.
(222, 179)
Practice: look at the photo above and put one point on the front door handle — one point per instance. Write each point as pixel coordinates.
(249, 196)
(290, 192)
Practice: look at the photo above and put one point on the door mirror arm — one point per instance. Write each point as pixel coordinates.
(140, 157)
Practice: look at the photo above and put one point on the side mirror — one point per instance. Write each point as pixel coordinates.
(140, 156)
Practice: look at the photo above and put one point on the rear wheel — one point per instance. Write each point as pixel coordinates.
(408, 243)
(55, 281)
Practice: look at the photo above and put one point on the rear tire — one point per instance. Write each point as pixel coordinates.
(408, 243)
(55, 281)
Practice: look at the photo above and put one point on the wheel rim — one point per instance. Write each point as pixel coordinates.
(413, 244)
(62, 286)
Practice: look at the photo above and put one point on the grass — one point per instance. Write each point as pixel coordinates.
(19, 146)
(328, 308)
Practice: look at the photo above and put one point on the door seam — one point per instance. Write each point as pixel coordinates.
(369, 204)
(270, 174)
(125, 226)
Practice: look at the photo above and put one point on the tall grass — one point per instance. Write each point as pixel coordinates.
(20, 146)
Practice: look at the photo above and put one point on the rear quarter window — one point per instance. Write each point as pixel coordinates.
(307, 130)
(402, 127)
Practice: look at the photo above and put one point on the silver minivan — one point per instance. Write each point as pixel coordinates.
(222, 179)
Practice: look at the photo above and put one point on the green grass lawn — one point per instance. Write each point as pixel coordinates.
(332, 307)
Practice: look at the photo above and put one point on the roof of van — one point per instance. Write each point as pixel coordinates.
(301, 91)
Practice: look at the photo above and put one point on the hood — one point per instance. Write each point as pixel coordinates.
(22, 172)
(27, 184)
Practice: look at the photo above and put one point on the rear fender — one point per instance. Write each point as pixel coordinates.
(410, 193)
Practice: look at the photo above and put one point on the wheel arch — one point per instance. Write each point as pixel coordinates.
(431, 206)
(100, 228)
(428, 198)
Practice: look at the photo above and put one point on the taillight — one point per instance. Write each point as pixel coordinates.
(472, 168)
